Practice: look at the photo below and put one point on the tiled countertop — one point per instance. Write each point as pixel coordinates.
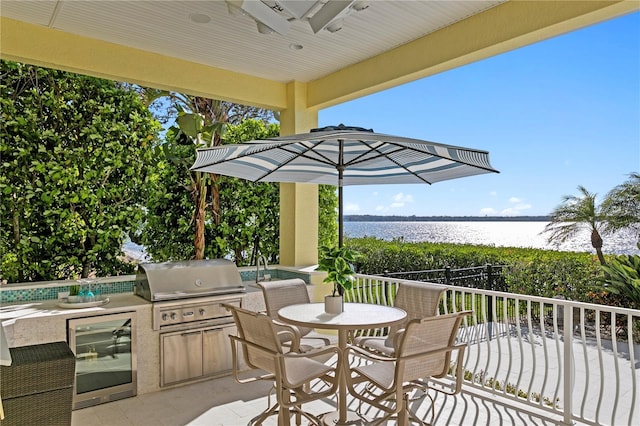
(27, 323)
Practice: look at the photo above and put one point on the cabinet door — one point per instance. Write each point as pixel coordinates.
(216, 350)
(181, 356)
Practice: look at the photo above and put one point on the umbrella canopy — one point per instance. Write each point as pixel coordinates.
(340, 156)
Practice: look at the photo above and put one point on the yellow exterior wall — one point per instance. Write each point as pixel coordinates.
(298, 202)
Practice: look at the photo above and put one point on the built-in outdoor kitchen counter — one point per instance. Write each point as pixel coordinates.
(31, 322)
(35, 322)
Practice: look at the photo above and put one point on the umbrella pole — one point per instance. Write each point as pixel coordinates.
(340, 225)
(340, 168)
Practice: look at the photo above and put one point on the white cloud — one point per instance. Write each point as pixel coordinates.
(400, 199)
(514, 200)
(488, 211)
(403, 198)
(351, 207)
(493, 193)
(380, 208)
(516, 210)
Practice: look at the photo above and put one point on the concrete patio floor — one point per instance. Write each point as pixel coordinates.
(222, 401)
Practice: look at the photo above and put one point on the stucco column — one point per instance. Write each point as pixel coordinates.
(298, 201)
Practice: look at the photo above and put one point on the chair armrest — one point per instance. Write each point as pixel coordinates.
(290, 336)
(292, 331)
(235, 341)
(365, 353)
(460, 347)
(396, 339)
(314, 353)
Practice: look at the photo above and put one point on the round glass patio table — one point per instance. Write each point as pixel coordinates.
(356, 316)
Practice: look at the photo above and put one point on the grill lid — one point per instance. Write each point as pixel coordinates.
(185, 279)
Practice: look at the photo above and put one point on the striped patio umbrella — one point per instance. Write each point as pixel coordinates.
(341, 155)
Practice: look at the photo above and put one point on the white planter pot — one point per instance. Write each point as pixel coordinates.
(333, 304)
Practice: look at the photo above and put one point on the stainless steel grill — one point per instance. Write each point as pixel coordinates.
(188, 309)
(189, 293)
(187, 279)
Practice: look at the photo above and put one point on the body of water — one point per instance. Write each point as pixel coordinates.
(502, 234)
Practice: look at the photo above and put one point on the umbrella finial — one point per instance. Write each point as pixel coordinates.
(341, 127)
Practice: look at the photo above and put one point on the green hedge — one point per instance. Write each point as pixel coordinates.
(536, 272)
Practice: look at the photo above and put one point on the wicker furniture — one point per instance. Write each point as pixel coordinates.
(37, 389)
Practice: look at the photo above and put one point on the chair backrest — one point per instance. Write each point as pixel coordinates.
(278, 294)
(419, 300)
(426, 345)
(257, 329)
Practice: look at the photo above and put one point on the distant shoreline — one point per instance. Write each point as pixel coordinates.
(373, 218)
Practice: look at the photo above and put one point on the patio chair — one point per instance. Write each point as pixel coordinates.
(424, 351)
(419, 300)
(291, 372)
(277, 295)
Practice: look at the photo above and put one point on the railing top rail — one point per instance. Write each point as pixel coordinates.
(572, 303)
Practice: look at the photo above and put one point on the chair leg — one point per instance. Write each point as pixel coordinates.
(284, 415)
(411, 415)
(403, 415)
(260, 418)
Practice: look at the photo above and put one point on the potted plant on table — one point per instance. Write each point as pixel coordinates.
(338, 263)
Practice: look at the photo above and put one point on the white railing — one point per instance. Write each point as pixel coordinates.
(519, 348)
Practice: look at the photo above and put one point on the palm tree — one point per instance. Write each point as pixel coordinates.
(622, 205)
(202, 121)
(576, 213)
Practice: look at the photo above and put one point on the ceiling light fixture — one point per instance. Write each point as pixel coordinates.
(335, 26)
(200, 18)
(360, 5)
(264, 29)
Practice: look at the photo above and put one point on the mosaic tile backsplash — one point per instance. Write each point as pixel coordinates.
(51, 293)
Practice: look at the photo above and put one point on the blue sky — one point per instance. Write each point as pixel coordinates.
(554, 115)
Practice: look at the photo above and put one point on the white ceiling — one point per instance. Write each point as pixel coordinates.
(232, 42)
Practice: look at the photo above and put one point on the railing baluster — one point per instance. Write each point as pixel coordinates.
(587, 374)
(532, 346)
(498, 339)
(632, 363)
(614, 346)
(520, 345)
(546, 354)
(487, 338)
(568, 365)
(507, 324)
(557, 341)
